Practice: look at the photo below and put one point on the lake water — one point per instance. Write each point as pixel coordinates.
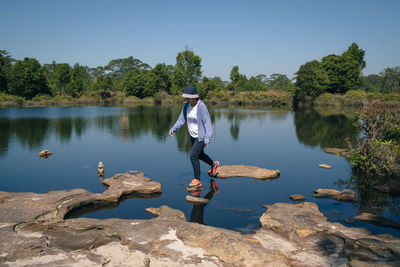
(137, 139)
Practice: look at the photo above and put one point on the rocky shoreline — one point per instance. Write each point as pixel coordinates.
(40, 229)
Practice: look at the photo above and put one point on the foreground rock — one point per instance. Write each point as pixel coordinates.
(345, 195)
(34, 232)
(306, 237)
(377, 220)
(229, 171)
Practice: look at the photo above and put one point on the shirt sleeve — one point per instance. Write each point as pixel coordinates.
(179, 122)
(206, 120)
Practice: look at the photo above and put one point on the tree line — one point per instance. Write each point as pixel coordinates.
(130, 76)
(27, 78)
(338, 74)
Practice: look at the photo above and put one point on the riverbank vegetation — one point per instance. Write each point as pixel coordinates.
(377, 150)
(131, 81)
(335, 80)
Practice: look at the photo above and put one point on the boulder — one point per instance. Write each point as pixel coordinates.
(297, 197)
(345, 195)
(229, 171)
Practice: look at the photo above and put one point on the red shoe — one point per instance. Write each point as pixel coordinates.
(213, 171)
(194, 185)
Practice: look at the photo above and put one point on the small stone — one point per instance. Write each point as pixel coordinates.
(325, 166)
(45, 154)
(297, 197)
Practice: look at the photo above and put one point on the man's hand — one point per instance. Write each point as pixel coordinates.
(171, 133)
(207, 145)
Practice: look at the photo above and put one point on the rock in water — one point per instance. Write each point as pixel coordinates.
(229, 171)
(45, 154)
(199, 200)
(345, 195)
(297, 197)
(326, 166)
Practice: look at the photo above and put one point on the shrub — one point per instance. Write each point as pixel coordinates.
(377, 151)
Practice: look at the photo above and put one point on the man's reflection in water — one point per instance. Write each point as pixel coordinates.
(197, 214)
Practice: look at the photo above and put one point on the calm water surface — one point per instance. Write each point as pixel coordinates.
(137, 139)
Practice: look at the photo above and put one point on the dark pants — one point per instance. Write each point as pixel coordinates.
(196, 153)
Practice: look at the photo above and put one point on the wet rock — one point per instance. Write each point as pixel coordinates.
(297, 197)
(199, 200)
(377, 220)
(325, 166)
(336, 151)
(45, 154)
(229, 171)
(345, 195)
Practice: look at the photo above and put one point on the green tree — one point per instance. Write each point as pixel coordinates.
(141, 84)
(118, 69)
(372, 83)
(163, 77)
(49, 71)
(237, 80)
(5, 69)
(27, 79)
(357, 54)
(80, 80)
(62, 77)
(187, 69)
(280, 82)
(344, 71)
(103, 85)
(391, 80)
(311, 82)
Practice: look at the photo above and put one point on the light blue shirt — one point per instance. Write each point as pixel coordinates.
(203, 121)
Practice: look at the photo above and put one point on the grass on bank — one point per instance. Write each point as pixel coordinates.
(267, 98)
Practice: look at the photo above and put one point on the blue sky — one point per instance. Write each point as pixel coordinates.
(261, 37)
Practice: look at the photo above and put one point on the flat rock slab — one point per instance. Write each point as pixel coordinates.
(297, 197)
(199, 200)
(229, 171)
(377, 220)
(345, 195)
